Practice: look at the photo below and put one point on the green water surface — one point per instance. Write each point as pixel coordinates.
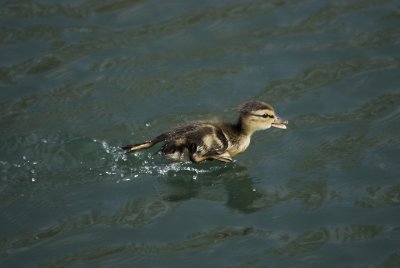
(80, 78)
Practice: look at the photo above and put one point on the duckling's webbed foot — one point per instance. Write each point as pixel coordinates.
(225, 157)
(196, 158)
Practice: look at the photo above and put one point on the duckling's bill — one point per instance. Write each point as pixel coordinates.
(280, 123)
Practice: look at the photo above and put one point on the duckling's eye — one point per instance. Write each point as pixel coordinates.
(267, 115)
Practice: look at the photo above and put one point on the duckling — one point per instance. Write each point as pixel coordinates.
(213, 139)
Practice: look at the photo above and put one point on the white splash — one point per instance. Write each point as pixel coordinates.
(147, 165)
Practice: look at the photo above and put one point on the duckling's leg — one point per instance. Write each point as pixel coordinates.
(144, 145)
(196, 156)
(225, 157)
(136, 147)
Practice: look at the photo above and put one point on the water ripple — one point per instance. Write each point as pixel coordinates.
(293, 245)
(321, 75)
(81, 78)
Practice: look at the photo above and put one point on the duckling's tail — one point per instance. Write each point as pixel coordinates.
(144, 145)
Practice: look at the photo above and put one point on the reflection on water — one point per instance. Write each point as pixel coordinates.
(304, 244)
(377, 196)
(80, 78)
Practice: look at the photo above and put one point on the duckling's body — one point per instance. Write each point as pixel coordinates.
(214, 140)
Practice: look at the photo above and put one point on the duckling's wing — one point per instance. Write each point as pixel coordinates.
(186, 130)
(199, 140)
(208, 142)
(176, 144)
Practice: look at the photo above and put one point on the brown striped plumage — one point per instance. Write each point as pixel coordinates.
(214, 140)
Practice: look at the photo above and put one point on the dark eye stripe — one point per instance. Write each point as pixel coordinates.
(267, 115)
(264, 115)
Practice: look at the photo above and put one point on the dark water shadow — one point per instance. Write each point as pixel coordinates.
(232, 180)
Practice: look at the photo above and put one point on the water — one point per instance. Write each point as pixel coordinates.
(80, 78)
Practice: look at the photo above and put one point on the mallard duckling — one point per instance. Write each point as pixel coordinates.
(214, 140)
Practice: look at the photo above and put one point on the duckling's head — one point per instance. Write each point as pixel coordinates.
(257, 115)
